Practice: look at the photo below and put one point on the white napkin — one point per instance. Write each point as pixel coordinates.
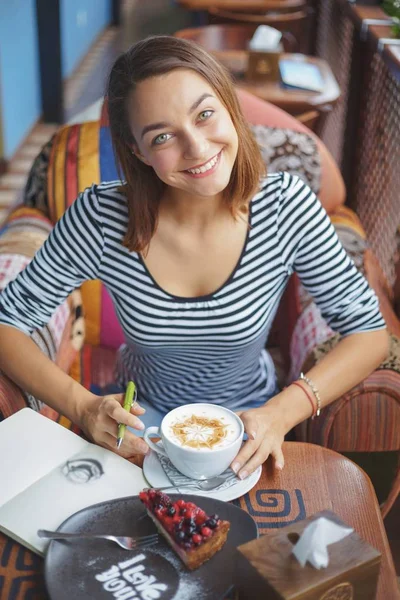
(265, 39)
(180, 480)
(316, 537)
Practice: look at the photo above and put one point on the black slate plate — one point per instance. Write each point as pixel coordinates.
(95, 569)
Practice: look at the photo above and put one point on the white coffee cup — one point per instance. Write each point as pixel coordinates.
(201, 450)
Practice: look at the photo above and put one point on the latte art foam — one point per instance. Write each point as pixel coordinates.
(201, 431)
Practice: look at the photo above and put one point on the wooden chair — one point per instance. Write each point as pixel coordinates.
(297, 23)
(220, 38)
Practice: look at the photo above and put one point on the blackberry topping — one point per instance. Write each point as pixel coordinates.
(191, 529)
(180, 536)
(211, 523)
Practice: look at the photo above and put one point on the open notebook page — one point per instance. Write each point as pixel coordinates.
(31, 445)
(91, 476)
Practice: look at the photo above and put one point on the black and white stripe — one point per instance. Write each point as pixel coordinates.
(209, 348)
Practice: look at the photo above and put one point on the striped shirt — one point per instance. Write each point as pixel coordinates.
(209, 348)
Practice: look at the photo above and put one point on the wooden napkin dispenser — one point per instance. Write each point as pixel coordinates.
(263, 66)
(266, 569)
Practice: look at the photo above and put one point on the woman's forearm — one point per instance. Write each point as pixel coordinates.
(28, 367)
(346, 365)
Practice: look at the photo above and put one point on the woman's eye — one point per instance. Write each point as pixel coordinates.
(206, 114)
(161, 139)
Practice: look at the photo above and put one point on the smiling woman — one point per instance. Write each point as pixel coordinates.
(195, 248)
(173, 110)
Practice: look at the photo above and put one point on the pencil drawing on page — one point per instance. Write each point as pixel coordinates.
(83, 470)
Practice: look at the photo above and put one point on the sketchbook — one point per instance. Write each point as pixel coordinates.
(47, 473)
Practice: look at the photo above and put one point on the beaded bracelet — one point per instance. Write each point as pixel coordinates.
(308, 396)
(314, 390)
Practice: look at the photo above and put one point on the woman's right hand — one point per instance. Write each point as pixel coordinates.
(100, 420)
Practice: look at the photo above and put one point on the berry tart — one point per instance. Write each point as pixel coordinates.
(193, 535)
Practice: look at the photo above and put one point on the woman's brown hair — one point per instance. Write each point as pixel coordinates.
(154, 56)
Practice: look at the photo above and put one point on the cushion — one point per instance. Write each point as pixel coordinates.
(81, 155)
(61, 339)
(73, 159)
(293, 151)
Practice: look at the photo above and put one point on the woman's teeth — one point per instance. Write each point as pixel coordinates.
(211, 163)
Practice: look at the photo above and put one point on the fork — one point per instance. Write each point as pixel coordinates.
(128, 543)
(195, 484)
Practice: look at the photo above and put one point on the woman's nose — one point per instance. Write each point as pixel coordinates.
(196, 146)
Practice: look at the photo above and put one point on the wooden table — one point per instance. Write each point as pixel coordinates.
(313, 479)
(293, 101)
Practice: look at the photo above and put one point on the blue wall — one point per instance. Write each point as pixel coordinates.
(19, 71)
(81, 23)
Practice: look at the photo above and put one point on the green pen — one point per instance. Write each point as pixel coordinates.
(129, 400)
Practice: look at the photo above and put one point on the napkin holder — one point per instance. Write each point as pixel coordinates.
(263, 66)
(267, 568)
(264, 50)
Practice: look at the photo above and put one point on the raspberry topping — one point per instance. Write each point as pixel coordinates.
(206, 531)
(188, 524)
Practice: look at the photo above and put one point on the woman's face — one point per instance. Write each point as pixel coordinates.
(184, 132)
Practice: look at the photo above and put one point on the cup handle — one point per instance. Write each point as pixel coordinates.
(153, 431)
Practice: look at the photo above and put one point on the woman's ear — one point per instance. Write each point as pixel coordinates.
(136, 152)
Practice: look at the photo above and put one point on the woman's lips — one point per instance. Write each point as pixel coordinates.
(206, 173)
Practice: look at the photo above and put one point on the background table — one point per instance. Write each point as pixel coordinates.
(313, 479)
(295, 102)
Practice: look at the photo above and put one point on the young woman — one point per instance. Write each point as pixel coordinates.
(196, 249)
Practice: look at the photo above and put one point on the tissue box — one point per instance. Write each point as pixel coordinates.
(263, 66)
(266, 568)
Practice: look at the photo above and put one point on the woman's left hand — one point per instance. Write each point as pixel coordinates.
(265, 430)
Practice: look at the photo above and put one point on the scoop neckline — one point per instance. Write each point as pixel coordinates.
(210, 296)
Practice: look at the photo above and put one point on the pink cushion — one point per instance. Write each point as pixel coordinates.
(260, 112)
(111, 334)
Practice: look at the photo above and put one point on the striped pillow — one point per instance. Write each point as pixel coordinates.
(81, 155)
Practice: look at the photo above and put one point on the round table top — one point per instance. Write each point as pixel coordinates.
(314, 479)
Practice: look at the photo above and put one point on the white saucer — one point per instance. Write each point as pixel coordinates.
(156, 476)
